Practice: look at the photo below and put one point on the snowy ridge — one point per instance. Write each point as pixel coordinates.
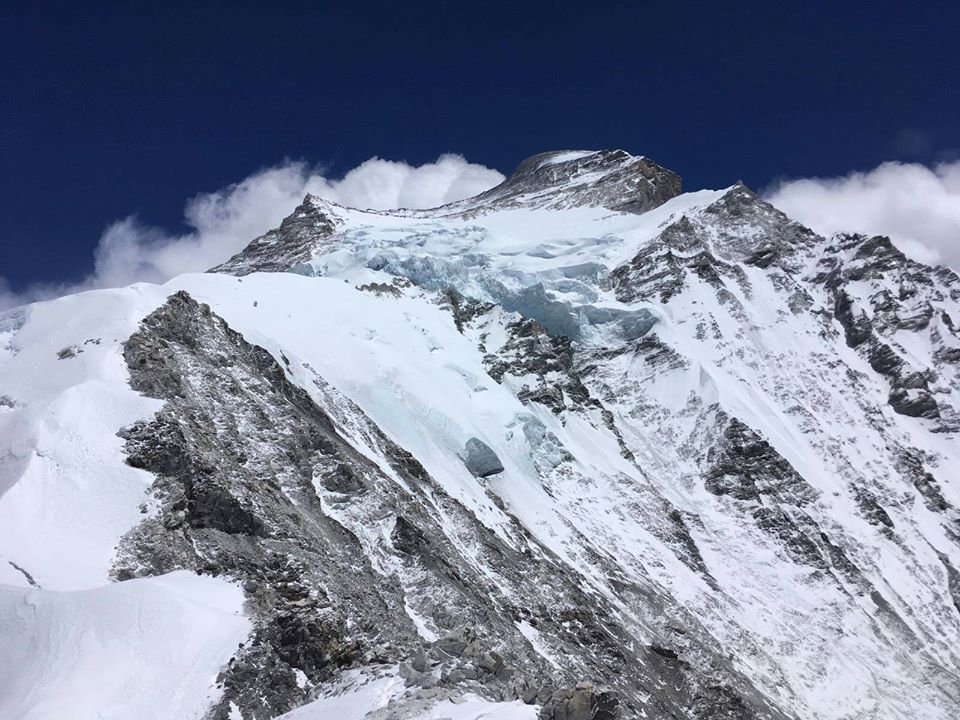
(116, 651)
(582, 444)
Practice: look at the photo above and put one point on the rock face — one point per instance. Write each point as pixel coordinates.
(290, 244)
(897, 296)
(255, 481)
(612, 179)
(581, 443)
(237, 450)
(581, 703)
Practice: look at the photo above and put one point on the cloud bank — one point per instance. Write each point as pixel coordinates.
(917, 206)
(223, 222)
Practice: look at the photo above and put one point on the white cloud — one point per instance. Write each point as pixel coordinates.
(918, 207)
(223, 222)
(383, 184)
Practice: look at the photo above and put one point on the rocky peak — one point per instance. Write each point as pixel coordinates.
(744, 227)
(290, 244)
(711, 243)
(612, 179)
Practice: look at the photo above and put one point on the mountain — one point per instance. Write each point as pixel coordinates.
(581, 447)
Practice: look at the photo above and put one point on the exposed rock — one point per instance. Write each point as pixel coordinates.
(246, 505)
(746, 466)
(856, 324)
(581, 703)
(531, 351)
(914, 402)
(289, 246)
(609, 178)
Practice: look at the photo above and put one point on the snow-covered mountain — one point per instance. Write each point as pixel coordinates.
(579, 447)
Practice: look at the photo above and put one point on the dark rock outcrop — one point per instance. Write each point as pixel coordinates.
(290, 245)
(613, 179)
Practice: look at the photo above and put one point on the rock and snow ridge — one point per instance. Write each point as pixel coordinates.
(580, 447)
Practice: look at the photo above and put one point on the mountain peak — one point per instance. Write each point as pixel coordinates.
(613, 179)
(556, 445)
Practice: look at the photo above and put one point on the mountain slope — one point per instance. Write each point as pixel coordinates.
(581, 441)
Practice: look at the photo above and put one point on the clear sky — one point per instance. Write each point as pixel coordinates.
(111, 109)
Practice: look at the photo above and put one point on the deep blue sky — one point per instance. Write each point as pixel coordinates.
(107, 110)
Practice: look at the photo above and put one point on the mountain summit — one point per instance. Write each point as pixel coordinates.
(612, 179)
(582, 447)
